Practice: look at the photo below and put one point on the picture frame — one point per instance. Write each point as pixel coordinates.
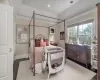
(62, 35)
(22, 34)
(52, 30)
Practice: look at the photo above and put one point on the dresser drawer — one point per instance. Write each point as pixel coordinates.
(78, 53)
(71, 55)
(82, 57)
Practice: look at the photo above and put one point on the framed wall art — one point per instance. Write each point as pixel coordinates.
(22, 34)
(52, 30)
(62, 35)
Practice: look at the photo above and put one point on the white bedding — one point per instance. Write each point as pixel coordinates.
(53, 56)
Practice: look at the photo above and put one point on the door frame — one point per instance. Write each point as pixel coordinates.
(98, 12)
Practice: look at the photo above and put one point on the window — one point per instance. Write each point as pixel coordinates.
(72, 34)
(80, 34)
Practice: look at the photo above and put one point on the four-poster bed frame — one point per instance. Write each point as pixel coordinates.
(34, 25)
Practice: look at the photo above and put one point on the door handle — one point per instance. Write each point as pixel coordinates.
(10, 50)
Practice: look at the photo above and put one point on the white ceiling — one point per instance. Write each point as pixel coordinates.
(57, 6)
(80, 7)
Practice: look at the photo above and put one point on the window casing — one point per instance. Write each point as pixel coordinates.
(80, 34)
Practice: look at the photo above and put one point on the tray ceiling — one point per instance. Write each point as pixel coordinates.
(56, 6)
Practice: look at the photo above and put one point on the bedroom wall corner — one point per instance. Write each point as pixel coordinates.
(60, 28)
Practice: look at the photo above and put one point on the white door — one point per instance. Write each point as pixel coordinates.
(6, 42)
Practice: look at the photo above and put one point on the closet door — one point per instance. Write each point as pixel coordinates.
(6, 42)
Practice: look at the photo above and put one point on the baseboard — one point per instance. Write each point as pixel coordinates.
(21, 56)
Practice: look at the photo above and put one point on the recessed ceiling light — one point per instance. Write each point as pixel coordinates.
(48, 5)
(71, 1)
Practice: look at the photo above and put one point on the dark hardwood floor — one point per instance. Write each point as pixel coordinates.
(16, 66)
(94, 78)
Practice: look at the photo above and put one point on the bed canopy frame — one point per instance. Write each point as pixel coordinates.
(33, 18)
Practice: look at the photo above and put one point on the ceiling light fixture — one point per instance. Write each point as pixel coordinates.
(48, 5)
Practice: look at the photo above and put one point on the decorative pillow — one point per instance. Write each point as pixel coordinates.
(55, 44)
(47, 42)
(42, 44)
(37, 42)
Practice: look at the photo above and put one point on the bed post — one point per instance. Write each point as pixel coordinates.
(34, 41)
(65, 39)
(29, 40)
(64, 31)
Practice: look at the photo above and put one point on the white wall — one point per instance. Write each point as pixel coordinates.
(21, 50)
(60, 29)
(92, 14)
(39, 30)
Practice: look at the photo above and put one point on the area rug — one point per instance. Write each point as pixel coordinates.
(72, 71)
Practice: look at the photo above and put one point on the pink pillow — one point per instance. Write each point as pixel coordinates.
(47, 42)
(42, 44)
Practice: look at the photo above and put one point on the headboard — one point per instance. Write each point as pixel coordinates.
(38, 38)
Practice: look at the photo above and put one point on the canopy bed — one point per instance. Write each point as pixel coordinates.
(40, 50)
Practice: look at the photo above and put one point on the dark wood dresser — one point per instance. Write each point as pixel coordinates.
(79, 53)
